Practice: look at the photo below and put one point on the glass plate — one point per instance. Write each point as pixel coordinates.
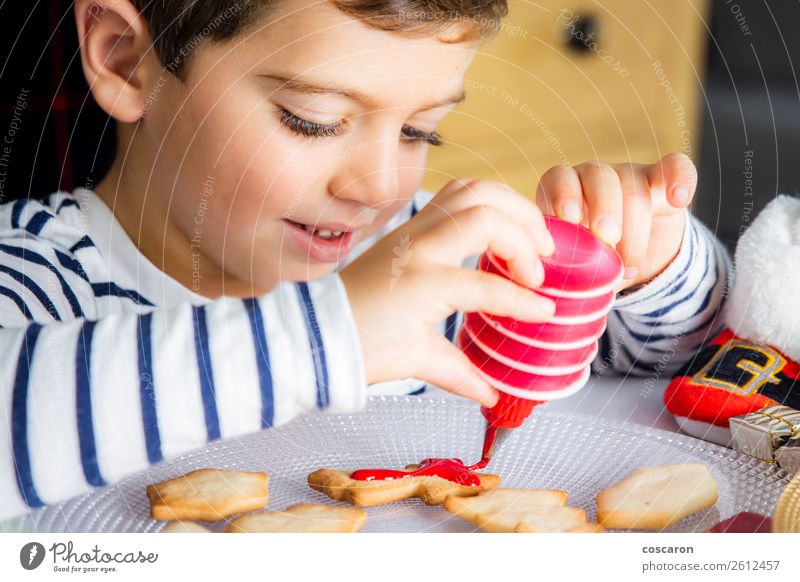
(578, 453)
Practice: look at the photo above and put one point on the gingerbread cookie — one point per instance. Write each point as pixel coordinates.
(521, 511)
(656, 497)
(303, 518)
(208, 495)
(432, 490)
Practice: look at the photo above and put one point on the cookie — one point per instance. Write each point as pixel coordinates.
(208, 495)
(432, 490)
(521, 511)
(303, 518)
(656, 497)
(184, 527)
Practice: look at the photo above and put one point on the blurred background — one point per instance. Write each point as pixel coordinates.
(562, 82)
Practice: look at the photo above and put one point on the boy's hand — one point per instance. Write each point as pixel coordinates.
(412, 279)
(636, 208)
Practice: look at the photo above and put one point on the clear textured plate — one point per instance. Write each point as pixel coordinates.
(580, 454)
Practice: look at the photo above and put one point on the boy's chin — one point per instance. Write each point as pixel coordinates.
(308, 271)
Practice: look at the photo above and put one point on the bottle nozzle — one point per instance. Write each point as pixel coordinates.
(510, 411)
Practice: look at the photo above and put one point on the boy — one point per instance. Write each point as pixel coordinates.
(260, 249)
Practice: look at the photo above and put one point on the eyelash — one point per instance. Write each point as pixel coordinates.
(307, 128)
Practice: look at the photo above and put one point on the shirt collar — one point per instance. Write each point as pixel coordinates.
(125, 264)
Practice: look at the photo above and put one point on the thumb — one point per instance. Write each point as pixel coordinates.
(676, 176)
(447, 367)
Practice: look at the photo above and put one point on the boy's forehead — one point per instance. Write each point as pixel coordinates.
(322, 46)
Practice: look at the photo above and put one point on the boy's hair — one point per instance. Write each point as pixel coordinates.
(177, 27)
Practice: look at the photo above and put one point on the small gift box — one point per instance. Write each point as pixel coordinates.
(788, 456)
(760, 433)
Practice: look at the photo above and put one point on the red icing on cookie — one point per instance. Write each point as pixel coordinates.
(451, 469)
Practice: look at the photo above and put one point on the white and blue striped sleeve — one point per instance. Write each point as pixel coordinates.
(87, 402)
(657, 328)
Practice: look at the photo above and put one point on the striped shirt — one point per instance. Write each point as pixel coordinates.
(107, 365)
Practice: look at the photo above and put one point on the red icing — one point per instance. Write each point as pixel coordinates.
(450, 469)
(488, 444)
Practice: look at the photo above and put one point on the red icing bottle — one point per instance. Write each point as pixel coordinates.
(581, 278)
(532, 363)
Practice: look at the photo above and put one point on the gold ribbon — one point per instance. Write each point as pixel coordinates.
(792, 427)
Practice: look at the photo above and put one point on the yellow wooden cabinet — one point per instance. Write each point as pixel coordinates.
(567, 81)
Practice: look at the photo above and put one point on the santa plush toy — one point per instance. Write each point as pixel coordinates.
(753, 363)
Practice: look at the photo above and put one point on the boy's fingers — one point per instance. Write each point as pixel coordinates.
(676, 176)
(468, 193)
(603, 195)
(448, 368)
(469, 290)
(471, 231)
(637, 212)
(438, 207)
(559, 194)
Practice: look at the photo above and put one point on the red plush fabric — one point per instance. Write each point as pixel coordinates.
(732, 376)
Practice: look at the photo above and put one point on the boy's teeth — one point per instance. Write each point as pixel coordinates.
(323, 232)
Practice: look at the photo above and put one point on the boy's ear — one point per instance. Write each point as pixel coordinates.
(116, 55)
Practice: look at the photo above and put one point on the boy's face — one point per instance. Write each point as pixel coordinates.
(312, 118)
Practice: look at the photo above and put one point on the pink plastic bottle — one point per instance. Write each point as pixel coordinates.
(530, 363)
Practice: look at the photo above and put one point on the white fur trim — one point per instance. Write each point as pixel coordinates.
(764, 306)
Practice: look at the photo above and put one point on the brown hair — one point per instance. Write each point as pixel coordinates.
(177, 27)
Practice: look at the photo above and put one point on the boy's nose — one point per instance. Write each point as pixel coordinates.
(369, 175)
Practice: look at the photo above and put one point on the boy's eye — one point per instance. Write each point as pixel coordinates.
(308, 128)
(416, 136)
(300, 126)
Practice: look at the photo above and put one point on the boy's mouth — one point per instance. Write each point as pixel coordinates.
(324, 233)
(327, 243)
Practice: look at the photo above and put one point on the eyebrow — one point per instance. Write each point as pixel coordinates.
(309, 86)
